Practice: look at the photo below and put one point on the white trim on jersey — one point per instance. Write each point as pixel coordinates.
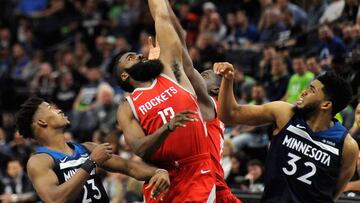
(214, 102)
(167, 77)
(128, 98)
(305, 135)
(212, 195)
(73, 163)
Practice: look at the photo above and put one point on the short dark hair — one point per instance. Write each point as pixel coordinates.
(337, 90)
(25, 116)
(255, 162)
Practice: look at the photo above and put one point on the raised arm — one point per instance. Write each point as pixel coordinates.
(206, 105)
(170, 43)
(144, 146)
(232, 113)
(348, 165)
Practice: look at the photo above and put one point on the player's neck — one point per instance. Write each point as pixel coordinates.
(56, 141)
(320, 122)
(142, 84)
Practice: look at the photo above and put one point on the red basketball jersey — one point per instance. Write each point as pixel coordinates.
(154, 106)
(215, 130)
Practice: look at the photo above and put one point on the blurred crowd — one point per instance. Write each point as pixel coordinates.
(65, 51)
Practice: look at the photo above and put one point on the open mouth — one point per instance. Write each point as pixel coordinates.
(300, 101)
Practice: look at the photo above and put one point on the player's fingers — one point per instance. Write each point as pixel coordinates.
(156, 42)
(230, 74)
(177, 124)
(187, 112)
(188, 118)
(216, 68)
(106, 144)
(165, 185)
(161, 190)
(156, 189)
(150, 42)
(109, 151)
(150, 184)
(163, 195)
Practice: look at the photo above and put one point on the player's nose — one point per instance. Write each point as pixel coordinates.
(140, 56)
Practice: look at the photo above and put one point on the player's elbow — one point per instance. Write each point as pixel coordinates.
(162, 17)
(140, 151)
(55, 199)
(225, 116)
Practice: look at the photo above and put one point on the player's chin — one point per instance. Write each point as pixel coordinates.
(67, 122)
(300, 103)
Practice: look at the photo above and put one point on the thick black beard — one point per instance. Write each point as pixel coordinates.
(145, 71)
(125, 85)
(306, 112)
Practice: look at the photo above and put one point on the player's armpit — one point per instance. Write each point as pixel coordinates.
(348, 165)
(46, 184)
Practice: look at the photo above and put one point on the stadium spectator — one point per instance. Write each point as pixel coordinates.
(18, 187)
(299, 80)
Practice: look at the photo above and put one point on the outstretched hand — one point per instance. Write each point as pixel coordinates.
(101, 153)
(160, 184)
(225, 70)
(154, 51)
(181, 119)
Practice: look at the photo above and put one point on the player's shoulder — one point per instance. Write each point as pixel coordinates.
(39, 161)
(123, 106)
(124, 112)
(351, 147)
(281, 111)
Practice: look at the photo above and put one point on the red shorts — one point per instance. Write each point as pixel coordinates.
(225, 196)
(191, 180)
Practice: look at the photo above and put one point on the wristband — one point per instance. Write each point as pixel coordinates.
(160, 169)
(88, 165)
(168, 127)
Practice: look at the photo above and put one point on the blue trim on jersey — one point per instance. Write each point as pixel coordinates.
(78, 151)
(335, 133)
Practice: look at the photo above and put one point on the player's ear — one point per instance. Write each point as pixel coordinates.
(42, 123)
(124, 76)
(326, 105)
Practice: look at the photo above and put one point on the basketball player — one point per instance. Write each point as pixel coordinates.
(208, 106)
(311, 156)
(66, 172)
(161, 119)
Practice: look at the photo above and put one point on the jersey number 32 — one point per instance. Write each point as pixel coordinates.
(293, 168)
